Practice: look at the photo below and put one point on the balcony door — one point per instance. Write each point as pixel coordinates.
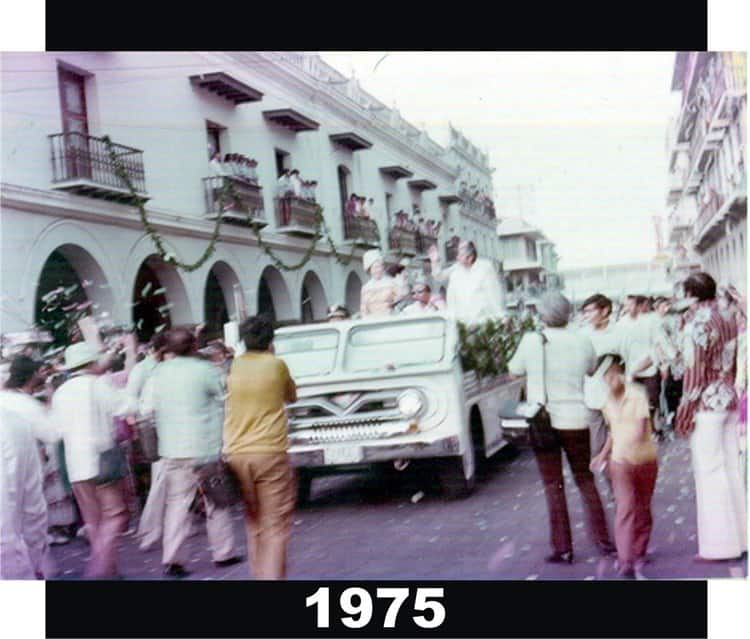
(75, 124)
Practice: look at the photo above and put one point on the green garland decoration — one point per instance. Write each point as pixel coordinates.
(486, 348)
(227, 193)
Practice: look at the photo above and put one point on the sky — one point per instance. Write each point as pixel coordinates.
(577, 140)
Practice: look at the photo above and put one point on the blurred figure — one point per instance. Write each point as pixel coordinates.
(23, 508)
(256, 443)
(338, 312)
(421, 304)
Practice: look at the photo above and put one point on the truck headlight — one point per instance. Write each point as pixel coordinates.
(411, 403)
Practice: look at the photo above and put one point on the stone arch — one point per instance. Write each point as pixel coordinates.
(74, 269)
(273, 295)
(353, 291)
(86, 256)
(313, 299)
(159, 298)
(223, 298)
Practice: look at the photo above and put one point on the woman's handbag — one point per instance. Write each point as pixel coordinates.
(217, 482)
(532, 419)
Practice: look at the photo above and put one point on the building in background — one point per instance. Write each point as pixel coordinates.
(707, 197)
(529, 262)
(188, 126)
(617, 280)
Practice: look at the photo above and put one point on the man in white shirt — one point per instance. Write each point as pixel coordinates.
(603, 333)
(474, 291)
(23, 509)
(83, 411)
(637, 346)
(422, 305)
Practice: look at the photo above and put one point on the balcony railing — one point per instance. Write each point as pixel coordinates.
(425, 241)
(82, 164)
(361, 230)
(244, 205)
(295, 215)
(403, 241)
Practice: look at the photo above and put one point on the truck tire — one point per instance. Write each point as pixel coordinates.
(454, 483)
(304, 487)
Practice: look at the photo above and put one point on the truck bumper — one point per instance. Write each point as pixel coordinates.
(352, 454)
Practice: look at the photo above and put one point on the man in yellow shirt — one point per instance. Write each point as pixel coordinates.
(633, 466)
(256, 443)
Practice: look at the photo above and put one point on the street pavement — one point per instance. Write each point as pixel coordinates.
(364, 527)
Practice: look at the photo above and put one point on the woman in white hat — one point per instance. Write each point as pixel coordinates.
(380, 292)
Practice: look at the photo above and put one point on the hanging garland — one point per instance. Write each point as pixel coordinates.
(226, 193)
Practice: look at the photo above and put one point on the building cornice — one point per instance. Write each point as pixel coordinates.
(290, 76)
(86, 209)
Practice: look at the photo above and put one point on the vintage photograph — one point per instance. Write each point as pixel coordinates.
(372, 315)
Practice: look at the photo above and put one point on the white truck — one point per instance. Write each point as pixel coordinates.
(387, 391)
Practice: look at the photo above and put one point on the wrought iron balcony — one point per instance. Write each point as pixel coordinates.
(82, 164)
(361, 230)
(425, 241)
(403, 241)
(242, 200)
(295, 215)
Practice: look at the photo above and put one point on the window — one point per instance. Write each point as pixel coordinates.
(373, 348)
(531, 250)
(75, 123)
(73, 101)
(213, 138)
(308, 354)
(343, 175)
(283, 160)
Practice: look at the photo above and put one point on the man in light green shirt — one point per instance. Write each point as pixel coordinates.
(187, 396)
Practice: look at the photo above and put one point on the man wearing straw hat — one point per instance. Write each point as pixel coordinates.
(83, 411)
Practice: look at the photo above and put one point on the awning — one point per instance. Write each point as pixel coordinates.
(291, 119)
(351, 141)
(227, 87)
(396, 172)
(422, 185)
(449, 199)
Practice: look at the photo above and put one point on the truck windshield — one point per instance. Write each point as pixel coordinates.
(308, 354)
(408, 344)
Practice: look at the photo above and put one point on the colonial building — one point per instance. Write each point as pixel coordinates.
(707, 197)
(529, 264)
(203, 136)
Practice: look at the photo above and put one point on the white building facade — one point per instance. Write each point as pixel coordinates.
(617, 280)
(68, 218)
(707, 198)
(529, 264)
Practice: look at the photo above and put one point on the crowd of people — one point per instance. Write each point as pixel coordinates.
(236, 165)
(209, 408)
(615, 389)
(74, 428)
